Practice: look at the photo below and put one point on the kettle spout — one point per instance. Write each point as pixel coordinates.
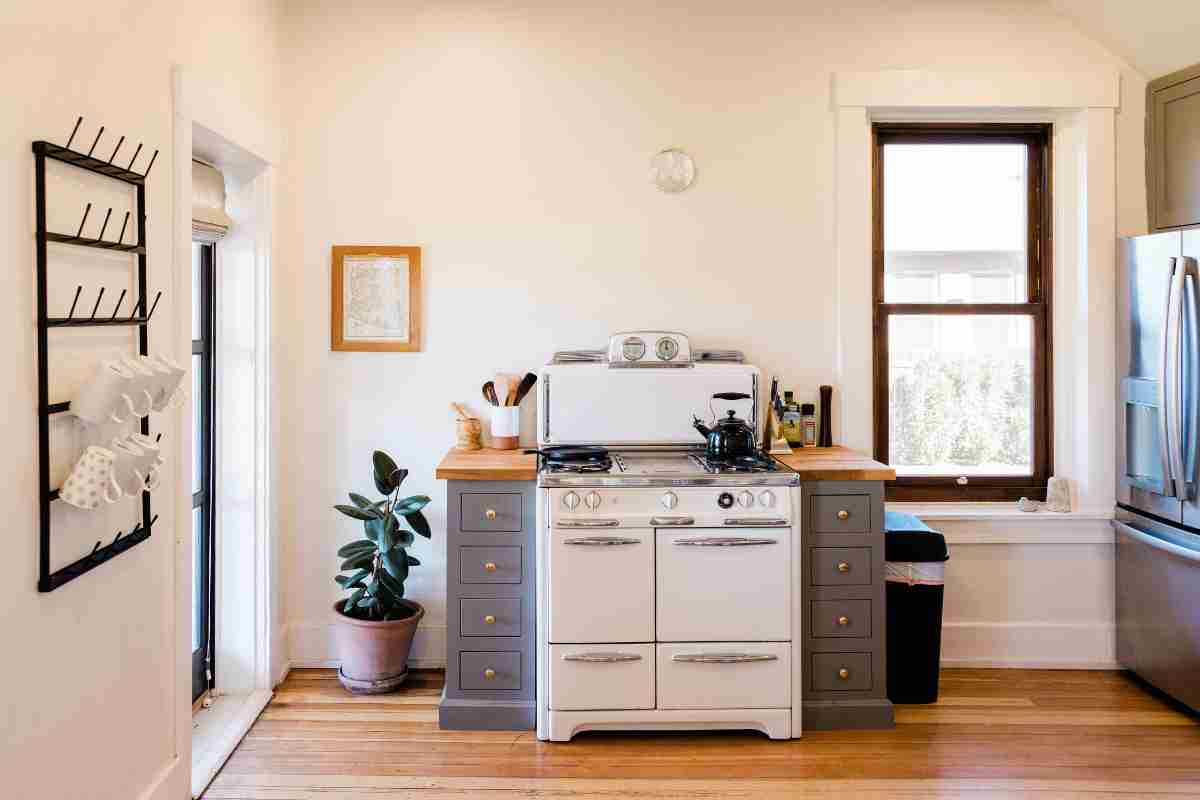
(700, 426)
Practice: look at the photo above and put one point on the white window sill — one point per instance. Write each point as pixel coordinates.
(1005, 511)
(1004, 523)
(216, 731)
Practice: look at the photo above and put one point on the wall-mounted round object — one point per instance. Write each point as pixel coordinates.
(672, 170)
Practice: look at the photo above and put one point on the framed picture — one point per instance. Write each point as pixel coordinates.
(376, 298)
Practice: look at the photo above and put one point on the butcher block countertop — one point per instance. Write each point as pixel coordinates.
(835, 464)
(487, 465)
(813, 464)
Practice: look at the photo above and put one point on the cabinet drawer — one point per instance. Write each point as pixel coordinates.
(840, 513)
(490, 616)
(601, 586)
(730, 585)
(840, 672)
(499, 670)
(839, 566)
(838, 618)
(592, 677)
(724, 675)
(489, 564)
(484, 513)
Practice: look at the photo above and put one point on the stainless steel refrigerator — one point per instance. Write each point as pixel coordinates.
(1158, 489)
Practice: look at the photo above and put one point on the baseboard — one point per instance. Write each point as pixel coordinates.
(171, 782)
(1029, 645)
(310, 644)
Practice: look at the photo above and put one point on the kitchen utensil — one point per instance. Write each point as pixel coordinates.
(461, 411)
(730, 437)
(489, 393)
(523, 388)
(825, 434)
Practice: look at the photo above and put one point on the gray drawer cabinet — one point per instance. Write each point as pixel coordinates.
(490, 606)
(1173, 149)
(843, 597)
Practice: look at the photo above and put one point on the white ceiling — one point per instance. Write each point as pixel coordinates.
(1154, 36)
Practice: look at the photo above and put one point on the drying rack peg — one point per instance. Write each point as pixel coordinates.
(136, 307)
(99, 297)
(96, 141)
(104, 227)
(120, 142)
(118, 536)
(156, 440)
(154, 305)
(120, 300)
(121, 238)
(135, 155)
(146, 174)
(95, 549)
(78, 289)
(74, 130)
(86, 211)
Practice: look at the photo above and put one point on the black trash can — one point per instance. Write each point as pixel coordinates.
(916, 556)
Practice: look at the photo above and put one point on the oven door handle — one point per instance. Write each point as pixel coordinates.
(667, 522)
(722, 658)
(602, 658)
(587, 523)
(601, 541)
(751, 522)
(723, 541)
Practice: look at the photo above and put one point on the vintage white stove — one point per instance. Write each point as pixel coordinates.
(667, 585)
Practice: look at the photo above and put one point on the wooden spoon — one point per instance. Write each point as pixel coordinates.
(489, 393)
(462, 412)
(523, 389)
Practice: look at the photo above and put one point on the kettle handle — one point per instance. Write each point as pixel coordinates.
(731, 396)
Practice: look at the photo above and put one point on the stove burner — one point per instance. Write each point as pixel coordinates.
(580, 467)
(574, 458)
(751, 463)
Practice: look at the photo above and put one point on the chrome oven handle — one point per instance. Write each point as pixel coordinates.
(587, 523)
(667, 522)
(752, 522)
(600, 541)
(722, 658)
(723, 541)
(602, 658)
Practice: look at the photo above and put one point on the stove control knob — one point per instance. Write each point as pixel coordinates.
(669, 500)
(571, 500)
(767, 498)
(725, 500)
(592, 501)
(745, 499)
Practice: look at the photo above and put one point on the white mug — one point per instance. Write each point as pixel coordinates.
(151, 459)
(99, 398)
(142, 385)
(91, 480)
(170, 381)
(130, 468)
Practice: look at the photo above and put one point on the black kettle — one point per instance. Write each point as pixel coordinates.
(730, 437)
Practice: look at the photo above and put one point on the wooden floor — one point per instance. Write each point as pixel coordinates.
(993, 734)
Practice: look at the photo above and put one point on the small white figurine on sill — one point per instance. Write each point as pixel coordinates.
(1058, 495)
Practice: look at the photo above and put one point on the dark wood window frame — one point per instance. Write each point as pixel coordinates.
(203, 660)
(978, 487)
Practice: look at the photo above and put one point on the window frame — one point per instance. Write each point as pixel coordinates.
(203, 659)
(1037, 138)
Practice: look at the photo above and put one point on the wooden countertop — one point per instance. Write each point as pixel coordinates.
(813, 464)
(487, 465)
(835, 464)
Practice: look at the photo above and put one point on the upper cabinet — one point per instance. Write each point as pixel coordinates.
(1173, 147)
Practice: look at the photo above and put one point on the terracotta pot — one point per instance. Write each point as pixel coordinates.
(374, 654)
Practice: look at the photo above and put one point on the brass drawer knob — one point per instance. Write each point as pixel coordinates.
(843, 515)
(490, 566)
(844, 674)
(489, 674)
(490, 513)
(843, 566)
(843, 621)
(489, 620)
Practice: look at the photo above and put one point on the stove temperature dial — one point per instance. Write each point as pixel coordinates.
(571, 500)
(767, 498)
(669, 500)
(745, 499)
(592, 501)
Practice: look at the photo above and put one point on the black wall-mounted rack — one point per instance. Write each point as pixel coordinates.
(49, 581)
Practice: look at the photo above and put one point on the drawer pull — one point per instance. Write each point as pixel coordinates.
(489, 674)
(843, 674)
(722, 658)
(843, 566)
(490, 566)
(843, 621)
(489, 620)
(588, 523)
(602, 658)
(723, 541)
(600, 541)
(490, 513)
(757, 522)
(665, 522)
(843, 515)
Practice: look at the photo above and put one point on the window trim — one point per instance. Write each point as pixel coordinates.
(1038, 308)
(204, 659)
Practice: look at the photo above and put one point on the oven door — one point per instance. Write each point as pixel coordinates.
(601, 582)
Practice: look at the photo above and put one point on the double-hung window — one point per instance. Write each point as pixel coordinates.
(962, 309)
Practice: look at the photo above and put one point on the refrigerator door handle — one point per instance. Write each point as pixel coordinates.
(1173, 388)
(1166, 374)
(1188, 269)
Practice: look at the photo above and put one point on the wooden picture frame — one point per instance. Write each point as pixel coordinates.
(384, 283)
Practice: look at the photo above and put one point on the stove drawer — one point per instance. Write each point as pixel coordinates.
(724, 585)
(601, 677)
(725, 675)
(601, 586)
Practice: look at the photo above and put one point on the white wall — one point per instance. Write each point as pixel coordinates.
(512, 142)
(90, 707)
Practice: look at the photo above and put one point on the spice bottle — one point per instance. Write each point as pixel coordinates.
(808, 425)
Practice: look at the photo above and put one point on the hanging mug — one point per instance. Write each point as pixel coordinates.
(151, 460)
(91, 480)
(129, 469)
(99, 399)
(139, 398)
(171, 379)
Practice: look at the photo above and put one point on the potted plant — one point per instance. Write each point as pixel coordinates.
(375, 623)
